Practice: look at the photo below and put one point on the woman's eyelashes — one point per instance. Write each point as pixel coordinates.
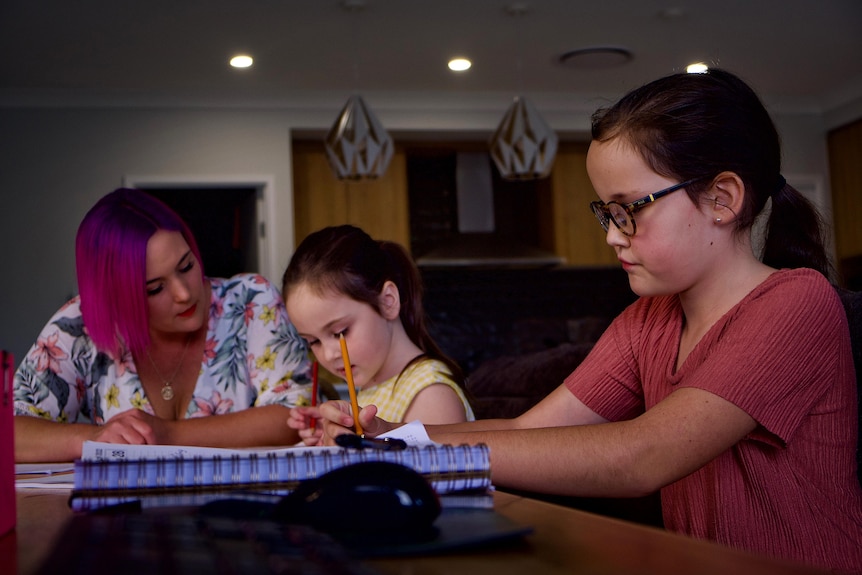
(183, 269)
(187, 263)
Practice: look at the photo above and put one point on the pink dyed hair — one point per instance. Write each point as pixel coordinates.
(111, 258)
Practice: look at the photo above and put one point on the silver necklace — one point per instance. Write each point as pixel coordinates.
(167, 383)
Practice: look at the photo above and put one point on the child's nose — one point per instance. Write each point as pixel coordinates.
(332, 352)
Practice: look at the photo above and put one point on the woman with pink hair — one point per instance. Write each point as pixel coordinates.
(151, 346)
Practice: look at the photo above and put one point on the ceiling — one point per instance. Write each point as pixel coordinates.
(801, 55)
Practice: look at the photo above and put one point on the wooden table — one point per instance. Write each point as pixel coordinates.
(564, 540)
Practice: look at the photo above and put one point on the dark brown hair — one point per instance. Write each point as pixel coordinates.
(698, 125)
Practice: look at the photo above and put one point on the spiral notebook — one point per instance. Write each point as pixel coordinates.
(110, 474)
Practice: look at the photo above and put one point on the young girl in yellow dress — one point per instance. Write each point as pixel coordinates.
(341, 281)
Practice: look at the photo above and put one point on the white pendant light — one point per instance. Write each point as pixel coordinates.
(524, 146)
(357, 145)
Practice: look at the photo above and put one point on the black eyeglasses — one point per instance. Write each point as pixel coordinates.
(623, 216)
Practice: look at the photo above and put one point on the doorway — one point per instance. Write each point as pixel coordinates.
(224, 221)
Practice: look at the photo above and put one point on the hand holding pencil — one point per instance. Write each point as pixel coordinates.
(299, 416)
(335, 415)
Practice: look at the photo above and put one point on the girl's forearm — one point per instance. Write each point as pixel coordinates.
(257, 426)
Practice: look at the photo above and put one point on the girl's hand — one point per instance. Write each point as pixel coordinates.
(337, 419)
(306, 420)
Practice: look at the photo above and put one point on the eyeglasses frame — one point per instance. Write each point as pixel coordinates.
(636, 205)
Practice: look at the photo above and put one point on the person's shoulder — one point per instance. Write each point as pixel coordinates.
(796, 292)
(432, 366)
(69, 310)
(803, 282)
(243, 281)
(72, 306)
(427, 370)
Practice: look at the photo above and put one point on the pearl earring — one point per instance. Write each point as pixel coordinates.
(718, 220)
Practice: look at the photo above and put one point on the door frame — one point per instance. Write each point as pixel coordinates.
(264, 210)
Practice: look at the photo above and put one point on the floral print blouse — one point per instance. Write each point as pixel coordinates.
(253, 356)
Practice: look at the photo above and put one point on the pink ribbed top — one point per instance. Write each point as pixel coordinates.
(783, 355)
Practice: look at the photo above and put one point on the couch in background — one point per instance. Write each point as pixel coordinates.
(479, 314)
(517, 332)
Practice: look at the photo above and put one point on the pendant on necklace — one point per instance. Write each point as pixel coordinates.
(167, 391)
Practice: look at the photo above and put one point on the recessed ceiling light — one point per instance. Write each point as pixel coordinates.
(698, 68)
(596, 57)
(241, 61)
(673, 13)
(459, 64)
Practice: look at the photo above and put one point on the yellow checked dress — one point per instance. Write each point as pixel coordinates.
(394, 396)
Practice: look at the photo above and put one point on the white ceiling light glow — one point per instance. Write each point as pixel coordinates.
(698, 68)
(459, 64)
(241, 61)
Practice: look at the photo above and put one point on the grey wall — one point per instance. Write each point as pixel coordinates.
(55, 163)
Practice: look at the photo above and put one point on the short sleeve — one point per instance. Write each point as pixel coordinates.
(53, 375)
(608, 381)
(775, 354)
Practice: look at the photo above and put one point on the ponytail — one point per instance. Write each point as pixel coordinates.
(794, 233)
(406, 277)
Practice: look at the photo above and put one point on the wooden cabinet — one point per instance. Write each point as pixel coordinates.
(320, 199)
(845, 167)
(566, 225)
(578, 237)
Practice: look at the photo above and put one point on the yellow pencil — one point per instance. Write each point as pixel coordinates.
(351, 387)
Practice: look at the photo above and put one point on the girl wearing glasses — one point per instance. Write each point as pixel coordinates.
(729, 384)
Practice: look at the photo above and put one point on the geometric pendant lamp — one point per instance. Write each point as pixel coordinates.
(523, 147)
(357, 145)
